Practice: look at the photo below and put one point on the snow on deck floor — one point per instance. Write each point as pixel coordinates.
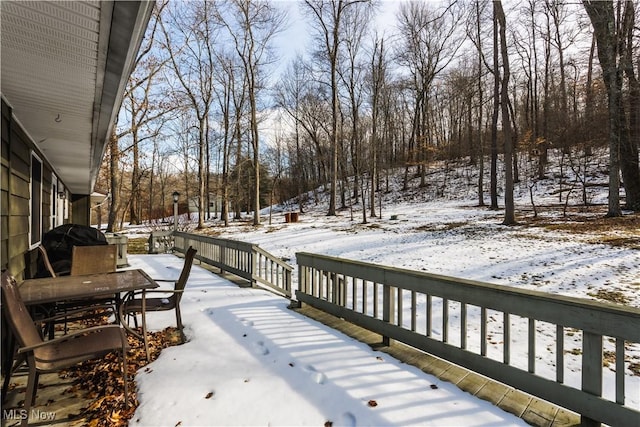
(249, 360)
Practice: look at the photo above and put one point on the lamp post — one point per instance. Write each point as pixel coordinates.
(176, 196)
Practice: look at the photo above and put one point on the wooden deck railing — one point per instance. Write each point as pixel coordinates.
(242, 259)
(498, 331)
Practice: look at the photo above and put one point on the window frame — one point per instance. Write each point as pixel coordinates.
(35, 201)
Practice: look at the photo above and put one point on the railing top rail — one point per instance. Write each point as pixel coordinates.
(235, 244)
(609, 319)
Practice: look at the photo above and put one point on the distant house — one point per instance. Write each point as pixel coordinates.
(215, 204)
(64, 69)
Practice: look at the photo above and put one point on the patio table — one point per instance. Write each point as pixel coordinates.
(69, 288)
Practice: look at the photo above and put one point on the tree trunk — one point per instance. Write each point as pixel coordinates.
(494, 117)
(480, 142)
(509, 208)
(602, 18)
(134, 203)
(629, 140)
(114, 177)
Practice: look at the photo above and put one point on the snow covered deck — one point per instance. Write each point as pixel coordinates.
(252, 361)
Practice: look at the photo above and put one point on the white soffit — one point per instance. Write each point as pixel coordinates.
(64, 65)
(49, 65)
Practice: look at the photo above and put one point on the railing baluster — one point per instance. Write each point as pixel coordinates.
(400, 307)
(620, 350)
(375, 300)
(560, 354)
(413, 310)
(365, 292)
(445, 320)
(429, 309)
(506, 342)
(354, 293)
(388, 309)
(532, 345)
(463, 326)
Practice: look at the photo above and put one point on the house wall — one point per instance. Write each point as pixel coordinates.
(16, 252)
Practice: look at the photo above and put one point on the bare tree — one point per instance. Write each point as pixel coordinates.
(114, 182)
(378, 81)
(289, 94)
(141, 115)
(189, 38)
(475, 34)
(352, 71)
(496, 109)
(226, 76)
(327, 16)
(430, 41)
(509, 209)
(252, 25)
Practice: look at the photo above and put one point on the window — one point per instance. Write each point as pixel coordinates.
(54, 201)
(35, 231)
(58, 196)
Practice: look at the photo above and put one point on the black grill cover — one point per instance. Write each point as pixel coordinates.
(60, 241)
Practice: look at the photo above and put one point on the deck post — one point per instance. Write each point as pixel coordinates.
(591, 370)
(388, 309)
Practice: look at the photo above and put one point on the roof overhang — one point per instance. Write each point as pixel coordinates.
(65, 66)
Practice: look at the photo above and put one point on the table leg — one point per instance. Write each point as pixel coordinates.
(144, 323)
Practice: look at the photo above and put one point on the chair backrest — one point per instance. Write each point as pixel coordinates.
(186, 270)
(44, 256)
(93, 259)
(17, 314)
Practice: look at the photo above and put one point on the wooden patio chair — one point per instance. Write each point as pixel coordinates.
(87, 260)
(134, 302)
(57, 354)
(48, 268)
(93, 259)
(46, 310)
(44, 257)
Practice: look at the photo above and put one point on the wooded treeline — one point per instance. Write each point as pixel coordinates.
(204, 113)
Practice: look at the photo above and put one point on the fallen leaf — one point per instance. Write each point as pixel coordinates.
(209, 395)
(434, 387)
(328, 424)
(372, 403)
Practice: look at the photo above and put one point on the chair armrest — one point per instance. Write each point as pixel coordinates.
(131, 295)
(67, 337)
